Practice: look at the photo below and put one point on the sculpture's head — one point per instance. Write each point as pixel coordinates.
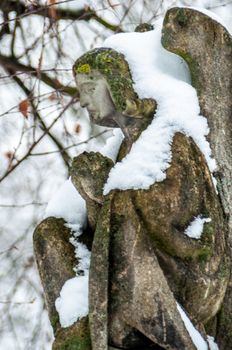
(106, 87)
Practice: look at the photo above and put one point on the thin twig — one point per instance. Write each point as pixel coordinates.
(219, 5)
(18, 302)
(21, 205)
(8, 172)
(74, 145)
(83, 14)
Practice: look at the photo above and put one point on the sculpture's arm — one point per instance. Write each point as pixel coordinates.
(168, 207)
(191, 265)
(55, 257)
(89, 173)
(206, 46)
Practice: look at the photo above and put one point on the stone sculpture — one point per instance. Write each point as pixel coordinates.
(142, 263)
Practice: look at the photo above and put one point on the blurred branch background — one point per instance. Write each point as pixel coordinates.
(42, 128)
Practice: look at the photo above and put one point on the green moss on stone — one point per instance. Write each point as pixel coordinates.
(204, 254)
(193, 66)
(208, 233)
(55, 322)
(181, 17)
(225, 268)
(76, 337)
(225, 321)
(76, 343)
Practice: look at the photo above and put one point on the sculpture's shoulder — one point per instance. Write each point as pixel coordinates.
(188, 168)
(188, 162)
(188, 181)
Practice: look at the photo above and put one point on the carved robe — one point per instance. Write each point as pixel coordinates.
(142, 260)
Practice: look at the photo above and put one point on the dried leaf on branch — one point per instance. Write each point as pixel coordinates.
(23, 108)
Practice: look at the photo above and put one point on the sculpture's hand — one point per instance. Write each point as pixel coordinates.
(89, 173)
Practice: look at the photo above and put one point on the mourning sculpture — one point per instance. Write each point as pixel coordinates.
(142, 263)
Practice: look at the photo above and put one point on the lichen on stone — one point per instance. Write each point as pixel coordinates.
(84, 69)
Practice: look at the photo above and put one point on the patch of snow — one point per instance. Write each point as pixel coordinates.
(72, 304)
(73, 301)
(83, 255)
(163, 76)
(113, 143)
(212, 344)
(69, 205)
(196, 337)
(195, 229)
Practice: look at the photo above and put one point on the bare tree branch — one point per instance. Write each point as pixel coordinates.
(85, 14)
(65, 156)
(13, 167)
(13, 66)
(23, 205)
(74, 145)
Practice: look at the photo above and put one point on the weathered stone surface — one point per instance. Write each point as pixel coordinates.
(89, 173)
(194, 268)
(197, 271)
(140, 300)
(223, 332)
(55, 260)
(99, 281)
(139, 308)
(207, 48)
(144, 27)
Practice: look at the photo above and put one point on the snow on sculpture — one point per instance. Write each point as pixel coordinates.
(140, 208)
